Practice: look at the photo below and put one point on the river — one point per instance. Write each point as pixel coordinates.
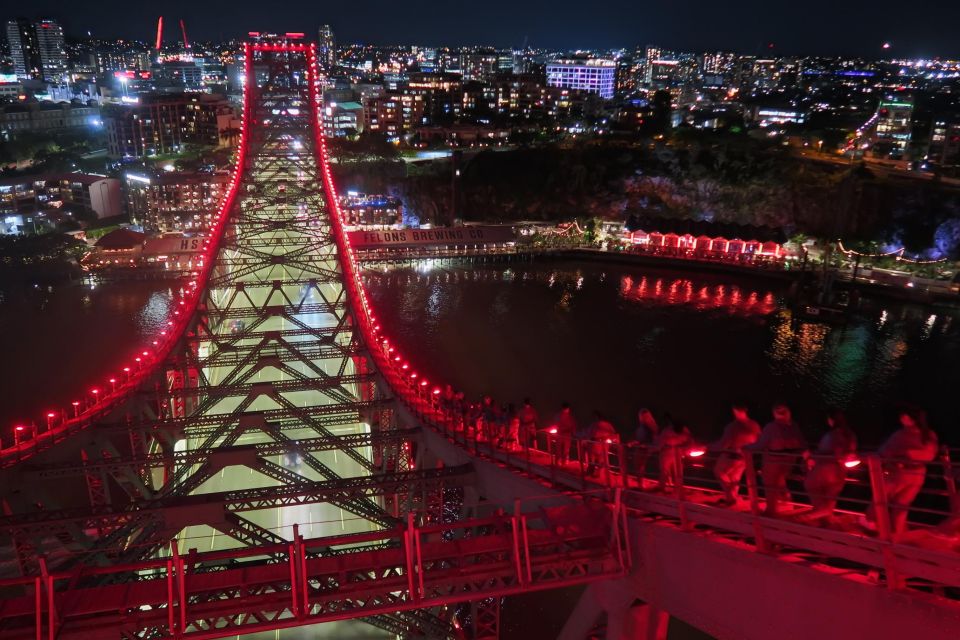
(56, 341)
(617, 338)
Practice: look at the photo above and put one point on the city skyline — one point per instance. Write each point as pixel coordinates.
(752, 27)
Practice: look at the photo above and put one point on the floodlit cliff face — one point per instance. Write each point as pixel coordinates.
(740, 181)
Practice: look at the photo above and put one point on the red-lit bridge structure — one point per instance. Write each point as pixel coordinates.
(271, 462)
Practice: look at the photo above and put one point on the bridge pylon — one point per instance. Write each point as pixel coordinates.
(265, 417)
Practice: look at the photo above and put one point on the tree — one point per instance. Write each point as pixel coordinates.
(662, 111)
(232, 135)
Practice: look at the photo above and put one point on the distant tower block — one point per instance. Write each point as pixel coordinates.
(326, 48)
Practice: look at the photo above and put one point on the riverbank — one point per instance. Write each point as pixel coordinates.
(666, 262)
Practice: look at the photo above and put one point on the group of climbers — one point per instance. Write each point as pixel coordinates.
(780, 446)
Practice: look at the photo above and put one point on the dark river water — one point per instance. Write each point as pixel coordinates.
(613, 338)
(618, 338)
(55, 343)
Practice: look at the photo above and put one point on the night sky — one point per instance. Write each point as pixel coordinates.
(916, 28)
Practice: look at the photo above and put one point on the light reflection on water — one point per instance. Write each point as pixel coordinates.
(683, 292)
(154, 313)
(617, 338)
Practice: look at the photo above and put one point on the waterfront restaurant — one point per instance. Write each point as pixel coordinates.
(704, 240)
(118, 248)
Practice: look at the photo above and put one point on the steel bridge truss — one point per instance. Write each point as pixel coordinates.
(267, 417)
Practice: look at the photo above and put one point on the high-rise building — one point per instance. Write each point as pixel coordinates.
(713, 63)
(441, 94)
(163, 123)
(174, 201)
(629, 73)
(505, 61)
(326, 47)
(480, 64)
(743, 73)
(108, 58)
(24, 49)
(38, 50)
(944, 143)
(593, 76)
(53, 51)
(663, 74)
(764, 74)
(523, 61)
(651, 53)
(394, 114)
(718, 70)
(894, 127)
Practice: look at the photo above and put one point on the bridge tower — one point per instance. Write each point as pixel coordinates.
(265, 420)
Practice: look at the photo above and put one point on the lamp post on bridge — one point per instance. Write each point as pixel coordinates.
(22, 431)
(455, 157)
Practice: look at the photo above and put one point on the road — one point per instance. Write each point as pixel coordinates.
(883, 168)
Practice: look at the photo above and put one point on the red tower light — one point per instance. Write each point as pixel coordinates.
(159, 32)
(183, 30)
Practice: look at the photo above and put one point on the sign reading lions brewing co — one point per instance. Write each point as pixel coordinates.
(442, 236)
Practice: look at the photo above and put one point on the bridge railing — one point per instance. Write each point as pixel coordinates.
(914, 542)
(26, 440)
(541, 545)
